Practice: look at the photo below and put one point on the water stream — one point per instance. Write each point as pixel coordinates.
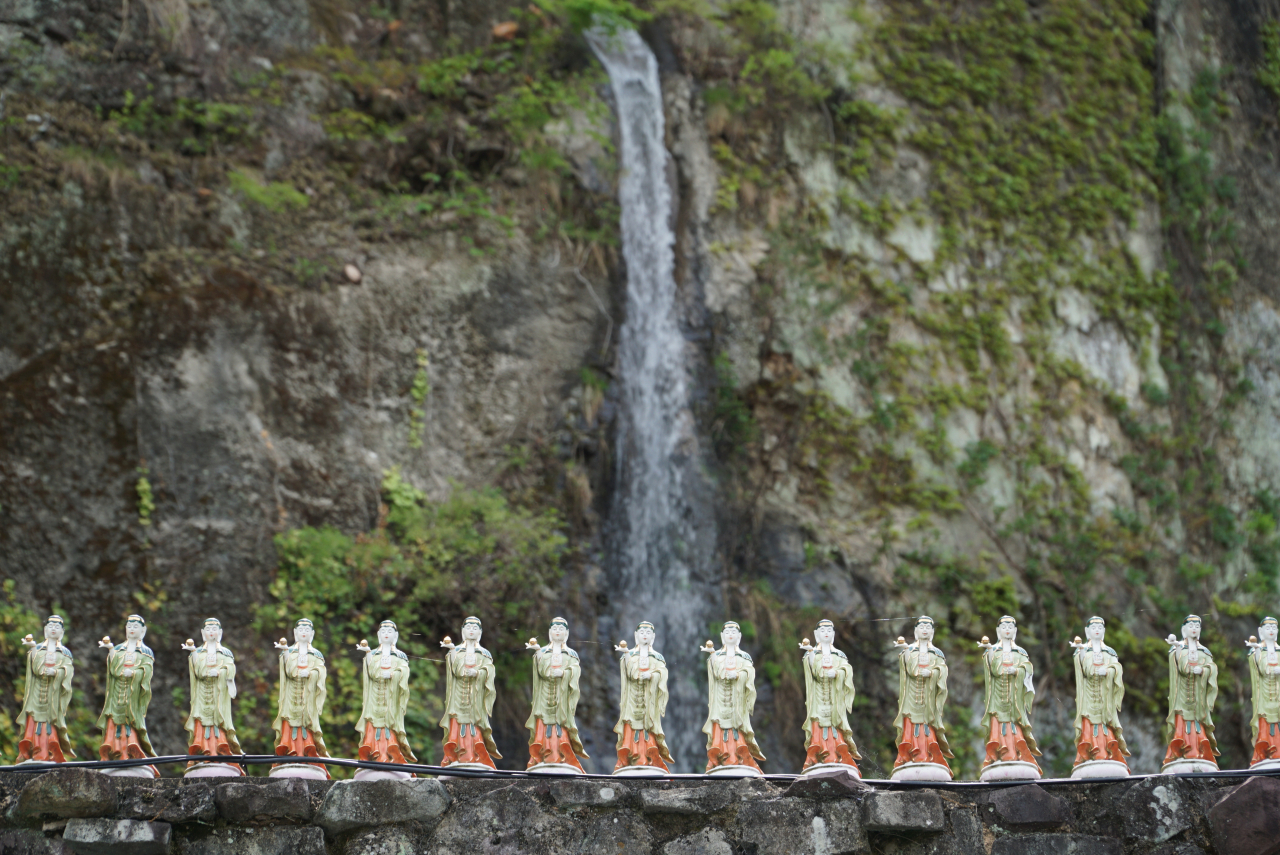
(656, 549)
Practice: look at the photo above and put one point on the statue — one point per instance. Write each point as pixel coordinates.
(124, 712)
(642, 746)
(1006, 719)
(1264, 671)
(1100, 748)
(43, 717)
(386, 699)
(554, 745)
(828, 693)
(213, 687)
(468, 702)
(299, 705)
(731, 696)
(922, 695)
(1193, 688)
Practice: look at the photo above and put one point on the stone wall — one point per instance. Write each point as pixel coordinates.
(81, 811)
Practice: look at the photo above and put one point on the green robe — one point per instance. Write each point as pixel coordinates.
(922, 699)
(129, 697)
(211, 694)
(47, 697)
(1193, 695)
(644, 702)
(1008, 697)
(469, 699)
(300, 700)
(1098, 697)
(731, 701)
(1266, 690)
(828, 700)
(555, 699)
(386, 701)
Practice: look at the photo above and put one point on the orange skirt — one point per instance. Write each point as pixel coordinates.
(826, 745)
(120, 742)
(40, 742)
(1099, 745)
(465, 744)
(639, 749)
(1268, 745)
(728, 748)
(551, 745)
(1005, 743)
(379, 745)
(1190, 742)
(298, 742)
(208, 739)
(918, 743)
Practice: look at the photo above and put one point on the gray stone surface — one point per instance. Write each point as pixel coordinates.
(1247, 821)
(359, 804)
(1156, 809)
(1057, 844)
(285, 799)
(707, 798)
(102, 836)
(708, 841)
(67, 793)
(168, 801)
(833, 784)
(1026, 807)
(27, 841)
(509, 819)
(381, 841)
(284, 840)
(573, 793)
(904, 811)
(619, 832)
(791, 826)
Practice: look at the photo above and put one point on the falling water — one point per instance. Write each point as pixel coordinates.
(656, 551)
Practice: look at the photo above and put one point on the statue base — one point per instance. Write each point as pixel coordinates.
(1265, 766)
(920, 772)
(1185, 767)
(732, 770)
(1010, 770)
(1100, 769)
(381, 775)
(554, 769)
(306, 771)
(473, 767)
(639, 772)
(213, 770)
(819, 768)
(134, 772)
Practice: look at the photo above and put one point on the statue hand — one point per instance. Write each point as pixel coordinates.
(126, 672)
(926, 672)
(231, 689)
(28, 642)
(48, 671)
(1197, 670)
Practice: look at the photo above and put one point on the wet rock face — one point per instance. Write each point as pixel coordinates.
(258, 816)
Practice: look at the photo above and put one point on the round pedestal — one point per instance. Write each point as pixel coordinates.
(1100, 769)
(554, 769)
(306, 771)
(640, 772)
(1183, 767)
(817, 768)
(1265, 766)
(381, 775)
(475, 767)
(1010, 770)
(134, 772)
(920, 772)
(213, 770)
(735, 771)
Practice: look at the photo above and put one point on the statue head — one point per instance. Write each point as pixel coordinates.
(559, 631)
(387, 633)
(645, 634)
(1095, 629)
(211, 632)
(1267, 631)
(135, 628)
(1191, 627)
(304, 632)
(471, 629)
(731, 634)
(825, 632)
(924, 629)
(53, 629)
(1007, 629)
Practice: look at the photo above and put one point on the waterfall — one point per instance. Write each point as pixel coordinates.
(656, 548)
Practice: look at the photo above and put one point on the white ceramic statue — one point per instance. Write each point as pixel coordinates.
(211, 732)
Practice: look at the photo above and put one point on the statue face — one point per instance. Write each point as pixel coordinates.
(1267, 632)
(825, 634)
(1191, 629)
(645, 636)
(730, 636)
(388, 635)
(53, 631)
(304, 633)
(211, 633)
(1095, 631)
(924, 631)
(1007, 630)
(470, 632)
(135, 630)
(559, 633)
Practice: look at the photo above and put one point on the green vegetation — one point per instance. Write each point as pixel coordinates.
(418, 391)
(146, 501)
(1269, 68)
(275, 196)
